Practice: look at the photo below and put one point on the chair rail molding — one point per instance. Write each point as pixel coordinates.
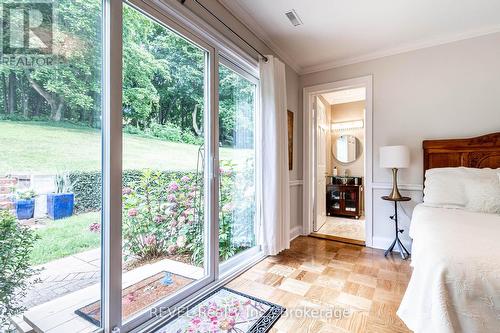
(388, 186)
(296, 182)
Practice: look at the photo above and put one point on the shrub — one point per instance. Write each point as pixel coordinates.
(158, 214)
(132, 129)
(237, 207)
(16, 244)
(167, 132)
(87, 186)
(163, 214)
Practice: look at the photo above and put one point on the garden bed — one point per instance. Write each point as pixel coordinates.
(139, 296)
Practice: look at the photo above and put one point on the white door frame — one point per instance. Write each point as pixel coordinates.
(309, 194)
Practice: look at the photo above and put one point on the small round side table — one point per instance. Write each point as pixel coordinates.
(397, 242)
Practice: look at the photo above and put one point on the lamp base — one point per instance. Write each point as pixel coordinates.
(395, 195)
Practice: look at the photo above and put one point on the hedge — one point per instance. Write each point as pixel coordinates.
(87, 186)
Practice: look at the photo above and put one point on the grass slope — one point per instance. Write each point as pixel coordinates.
(48, 148)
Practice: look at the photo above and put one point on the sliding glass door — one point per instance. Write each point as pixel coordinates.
(237, 154)
(166, 193)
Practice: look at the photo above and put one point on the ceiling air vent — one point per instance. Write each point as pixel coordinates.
(293, 17)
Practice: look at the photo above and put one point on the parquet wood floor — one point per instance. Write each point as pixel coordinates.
(316, 280)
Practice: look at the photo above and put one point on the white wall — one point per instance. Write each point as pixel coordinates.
(447, 91)
(292, 94)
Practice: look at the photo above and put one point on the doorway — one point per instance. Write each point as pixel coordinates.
(338, 164)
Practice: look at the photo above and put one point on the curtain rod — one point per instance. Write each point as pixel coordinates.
(228, 27)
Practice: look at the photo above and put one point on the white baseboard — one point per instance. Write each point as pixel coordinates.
(295, 232)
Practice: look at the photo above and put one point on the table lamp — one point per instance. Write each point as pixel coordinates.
(394, 157)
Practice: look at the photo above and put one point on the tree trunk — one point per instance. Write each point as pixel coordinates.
(26, 111)
(12, 92)
(58, 115)
(24, 98)
(196, 128)
(5, 95)
(56, 107)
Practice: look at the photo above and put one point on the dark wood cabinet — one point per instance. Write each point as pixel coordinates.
(344, 200)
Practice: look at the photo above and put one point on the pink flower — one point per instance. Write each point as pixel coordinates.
(173, 186)
(95, 227)
(181, 219)
(226, 325)
(224, 171)
(181, 241)
(159, 218)
(150, 240)
(196, 321)
(126, 190)
(172, 249)
(171, 198)
(133, 212)
(185, 179)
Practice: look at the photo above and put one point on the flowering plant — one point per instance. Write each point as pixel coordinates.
(158, 211)
(163, 213)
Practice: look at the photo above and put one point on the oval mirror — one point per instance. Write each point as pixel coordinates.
(346, 149)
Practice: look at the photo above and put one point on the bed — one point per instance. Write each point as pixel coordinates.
(455, 284)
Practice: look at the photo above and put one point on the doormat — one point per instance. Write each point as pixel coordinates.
(139, 296)
(225, 311)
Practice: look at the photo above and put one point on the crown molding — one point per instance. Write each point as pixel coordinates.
(240, 12)
(423, 44)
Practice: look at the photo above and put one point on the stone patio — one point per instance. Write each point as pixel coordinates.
(70, 283)
(64, 276)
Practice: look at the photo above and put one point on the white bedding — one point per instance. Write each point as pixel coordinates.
(455, 285)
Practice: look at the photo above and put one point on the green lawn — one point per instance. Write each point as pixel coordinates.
(65, 237)
(45, 148)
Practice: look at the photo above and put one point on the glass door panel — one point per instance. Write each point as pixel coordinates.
(50, 163)
(334, 196)
(164, 228)
(237, 201)
(351, 200)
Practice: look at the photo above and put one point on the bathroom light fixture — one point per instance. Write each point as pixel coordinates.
(347, 125)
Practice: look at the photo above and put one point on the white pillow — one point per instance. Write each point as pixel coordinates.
(442, 188)
(446, 187)
(483, 196)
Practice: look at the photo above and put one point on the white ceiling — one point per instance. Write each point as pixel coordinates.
(339, 32)
(345, 96)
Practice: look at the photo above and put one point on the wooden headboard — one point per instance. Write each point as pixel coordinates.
(480, 152)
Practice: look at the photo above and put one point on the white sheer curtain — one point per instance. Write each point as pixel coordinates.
(275, 191)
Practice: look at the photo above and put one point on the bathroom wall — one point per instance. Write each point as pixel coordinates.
(348, 112)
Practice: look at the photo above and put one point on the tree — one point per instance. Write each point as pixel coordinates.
(163, 75)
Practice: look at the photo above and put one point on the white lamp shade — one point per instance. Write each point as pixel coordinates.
(394, 157)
